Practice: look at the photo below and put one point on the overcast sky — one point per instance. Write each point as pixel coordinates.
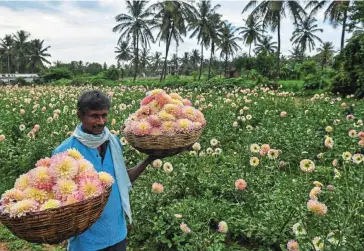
(82, 30)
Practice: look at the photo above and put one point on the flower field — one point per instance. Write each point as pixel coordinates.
(271, 171)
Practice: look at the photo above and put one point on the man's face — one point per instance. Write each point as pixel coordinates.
(94, 121)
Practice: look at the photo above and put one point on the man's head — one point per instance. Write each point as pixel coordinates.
(92, 109)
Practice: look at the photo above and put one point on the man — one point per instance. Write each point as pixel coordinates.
(94, 141)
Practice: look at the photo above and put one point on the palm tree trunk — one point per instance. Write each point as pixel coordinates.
(136, 56)
(164, 70)
(226, 59)
(250, 47)
(18, 63)
(212, 50)
(8, 63)
(279, 44)
(343, 30)
(199, 77)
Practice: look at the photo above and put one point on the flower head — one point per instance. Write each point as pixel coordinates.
(292, 245)
(142, 128)
(157, 188)
(74, 153)
(184, 126)
(90, 187)
(50, 204)
(314, 192)
(12, 195)
(240, 184)
(254, 161)
(196, 146)
(157, 163)
(222, 227)
(168, 167)
(318, 243)
(63, 188)
(183, 226)
(165, 116)
(172, 109)
(23, 207)
(346, 156)
(44, 162)
(265, 148)
(273, 153)
(40, 178)
(84, 164)
(254, 148)
(154, 120)
(106, 179)
(316, 207)
(168, 127)
(329, 142)
(214, 142)
(22, 182)
(163, 98)
(298, 229)
(63, 166)
(36, 194)
(189, 112)
(307, 166)
(357, 158)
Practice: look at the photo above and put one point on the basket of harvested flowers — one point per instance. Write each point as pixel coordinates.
(164, 124)
(58, 199)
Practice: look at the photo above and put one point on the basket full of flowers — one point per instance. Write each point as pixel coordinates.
(164, 124)
(58, 199)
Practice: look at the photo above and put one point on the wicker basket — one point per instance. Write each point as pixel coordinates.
(53, 226)
(162, 144)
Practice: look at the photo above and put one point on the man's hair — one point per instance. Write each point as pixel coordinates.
(92, 100)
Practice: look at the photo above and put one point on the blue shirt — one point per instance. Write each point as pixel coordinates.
(110, 228)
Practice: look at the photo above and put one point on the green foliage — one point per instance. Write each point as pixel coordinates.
(309, 67)
(112, 74)
(194, 75)
(54, 74)
(314, 82)
(350, 77)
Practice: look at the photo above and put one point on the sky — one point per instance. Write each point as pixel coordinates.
(82, 30)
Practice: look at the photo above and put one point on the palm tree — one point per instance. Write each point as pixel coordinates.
(171, 18)
(22, 49)
(175, 60)
(228, 42)
(296, 53)
(38, 55)
(272, 12)
(215, 30)
(144, 58)
(252, 32)
(202, 26)
(124, 52)
(325, 53)
(304, 35)
(137, 26)
(156, 59)
(185, 64)
(195, 58)
(336, 13)
(266, 45)
(6, 46)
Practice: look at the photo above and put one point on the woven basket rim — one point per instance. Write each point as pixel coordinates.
(62, 208)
